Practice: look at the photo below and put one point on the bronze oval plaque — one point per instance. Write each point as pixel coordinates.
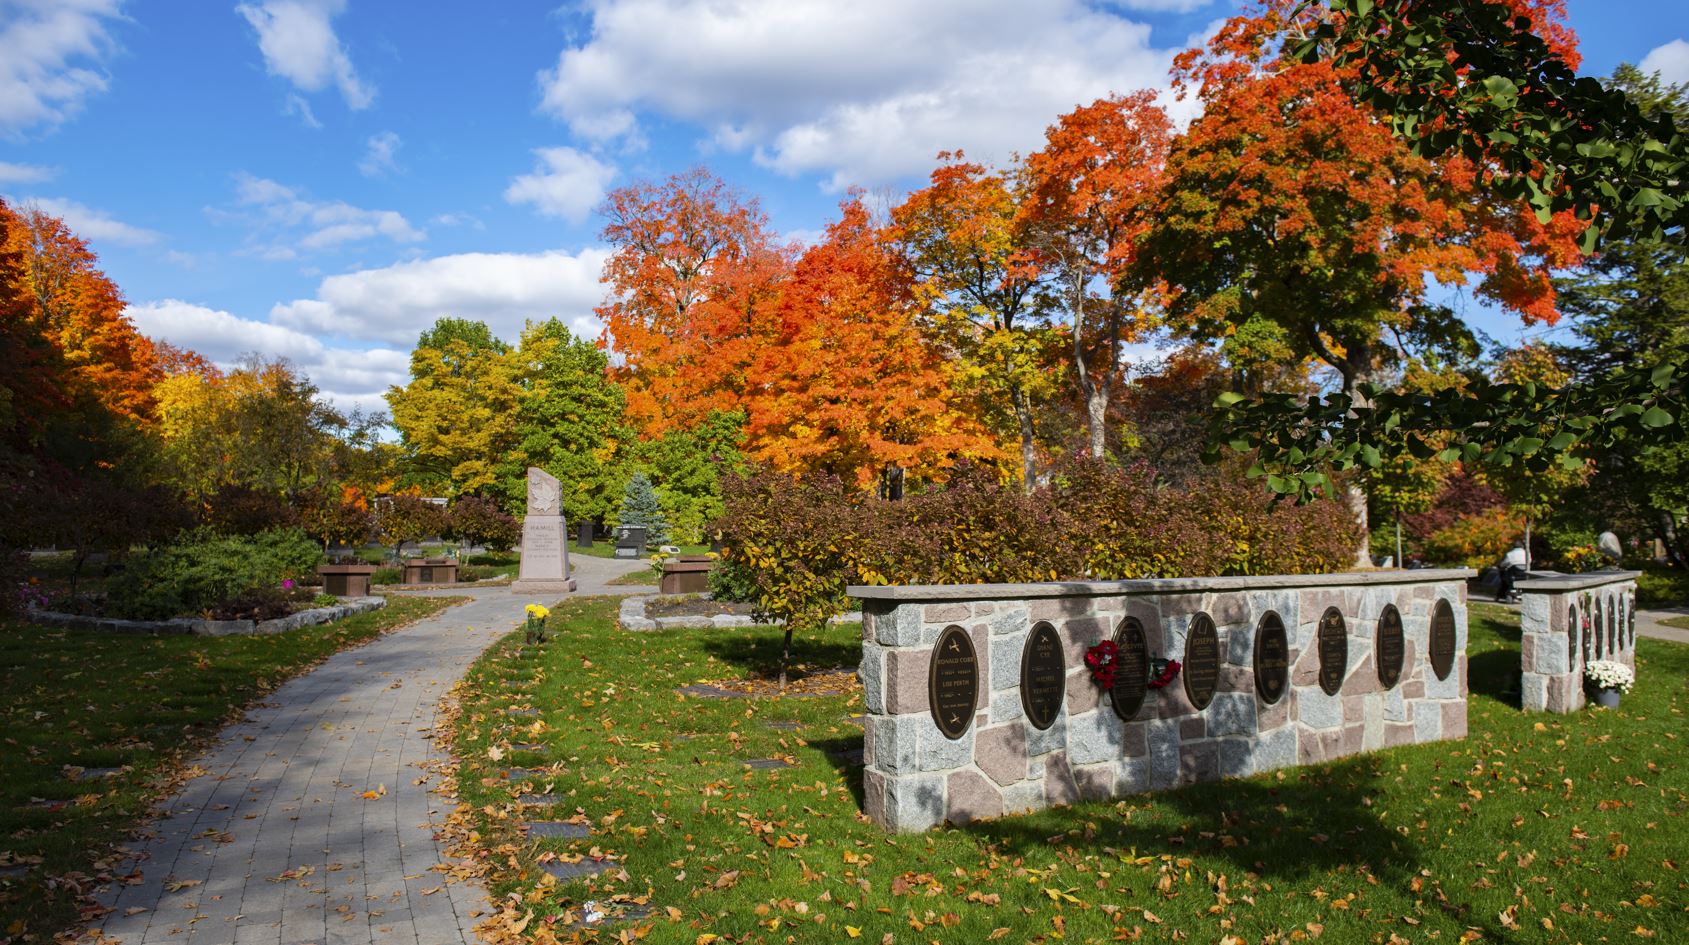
(1131, 669)
(1442, 639)
(953, 682)
(1333, 641)
(1272, 658)
(1043, 676)
(1390, 648)
(1202, 661)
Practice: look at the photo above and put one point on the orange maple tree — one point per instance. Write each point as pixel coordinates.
(1294, 220)
(77, 308)
(694, 279)
(1088, 193)
(849, 385)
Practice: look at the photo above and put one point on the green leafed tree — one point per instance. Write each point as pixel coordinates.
(457, 416)
(569, 422)
(641, 509)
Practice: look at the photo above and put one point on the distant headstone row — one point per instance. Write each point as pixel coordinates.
(980, 700)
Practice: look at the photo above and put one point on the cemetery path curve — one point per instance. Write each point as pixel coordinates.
(279, 840)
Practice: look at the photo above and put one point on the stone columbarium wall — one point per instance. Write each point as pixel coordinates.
(1278, 671)
(1566, 622)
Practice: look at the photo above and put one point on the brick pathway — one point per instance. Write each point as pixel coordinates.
(276, 842)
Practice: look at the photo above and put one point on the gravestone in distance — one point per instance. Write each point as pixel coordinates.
(1391, 648)
(545, 555)
(630, 541)
(1131, 669)
(1272, 659)
(1043, 676)
(953, 682)
(1202, 661)
(1442, 639)
(1333, 650)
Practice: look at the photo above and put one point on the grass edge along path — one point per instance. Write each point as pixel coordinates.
(1536, 828)
(97, 728)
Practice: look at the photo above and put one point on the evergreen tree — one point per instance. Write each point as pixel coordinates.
(641, 508)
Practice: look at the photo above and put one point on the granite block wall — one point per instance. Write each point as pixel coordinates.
(1567, 622)
(917, 778)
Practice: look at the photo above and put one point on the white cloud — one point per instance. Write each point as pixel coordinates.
(866, 92)
(297, 223)
(94, 225)
(299, 44)
(49, 53)
(1161, 6)
(23, 173)
(1670, 60)
(350, 377)
(394, 304)
(565, 183)
(379, 153)
(295, 105)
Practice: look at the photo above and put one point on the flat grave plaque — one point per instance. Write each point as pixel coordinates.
(1131, 669)
(953, 682)
(1391, 647)
(1202, 661)
(1334, 650)
(1272, 659)
(1043, 676)
(1442, 639)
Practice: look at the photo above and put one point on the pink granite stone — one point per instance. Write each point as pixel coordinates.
(1079, 634)
(1236, 678)
(1229, 608)
(1398, 733)
(1000, 751)
(1083, 694)
(1354, 708)
(1192, 728)
(906, 673)
(969, 797)
(1096, 782)
(1171, 701)
(1179, 605)
(1270, 717)
(868, 746)
(1059, 786)
(874, 795)
(1415, 688)
(1454, 719)
(1305, 668)
(1134, 740)
(1354, 736)
(1363, 678)
(946, 613)
(1528, 652)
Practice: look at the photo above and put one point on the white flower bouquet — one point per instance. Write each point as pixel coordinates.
(1608, 674)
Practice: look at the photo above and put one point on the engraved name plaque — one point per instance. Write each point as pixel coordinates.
(1043, 676)
(1391, 648)
(1202, 661)
(1442, 639)
(1131, 670)
(1272, 659)
(1333, 650)
(953, 682)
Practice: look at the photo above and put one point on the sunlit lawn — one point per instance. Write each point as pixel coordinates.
(1535, 829)
(73, 699)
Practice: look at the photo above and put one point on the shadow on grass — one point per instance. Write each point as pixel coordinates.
(757, 652)
(1495, 674)
(1316, 820)
(840, 752)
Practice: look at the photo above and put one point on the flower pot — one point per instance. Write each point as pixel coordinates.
(1607, 698)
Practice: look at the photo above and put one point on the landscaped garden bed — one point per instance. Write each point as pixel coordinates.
(741, 818)
(96, 727)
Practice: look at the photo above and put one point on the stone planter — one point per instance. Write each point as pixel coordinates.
(687, 574)
(430, 571)
(1607, 698)
(346, 580)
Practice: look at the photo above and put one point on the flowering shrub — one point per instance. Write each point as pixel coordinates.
(1581, 558)
(1608, 674)
(534, 628)
(483, 522)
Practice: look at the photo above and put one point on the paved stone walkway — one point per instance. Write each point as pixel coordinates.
(276, 842)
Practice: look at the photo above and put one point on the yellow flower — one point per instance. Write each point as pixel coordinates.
(537, 612)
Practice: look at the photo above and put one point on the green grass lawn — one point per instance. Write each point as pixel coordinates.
(140, 704)
(1534, 829)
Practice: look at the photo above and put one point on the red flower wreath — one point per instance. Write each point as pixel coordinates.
(1102, 659)
(1169, 672)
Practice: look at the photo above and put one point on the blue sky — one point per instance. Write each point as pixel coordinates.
(321, 179)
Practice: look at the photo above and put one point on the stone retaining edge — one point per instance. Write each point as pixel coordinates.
(633, 619)
(213, 628)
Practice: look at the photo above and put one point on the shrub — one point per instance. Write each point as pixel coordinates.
(239, 510)
(793, 546)
(482, 522)
(1475, 541)
(202, 570)
(407, 518)
(336, 516)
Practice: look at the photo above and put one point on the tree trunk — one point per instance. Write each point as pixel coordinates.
(1527, 543)
(1399, 561)
(1357, 506)
(785, 656)
(1096, 409)
(1028, 453)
